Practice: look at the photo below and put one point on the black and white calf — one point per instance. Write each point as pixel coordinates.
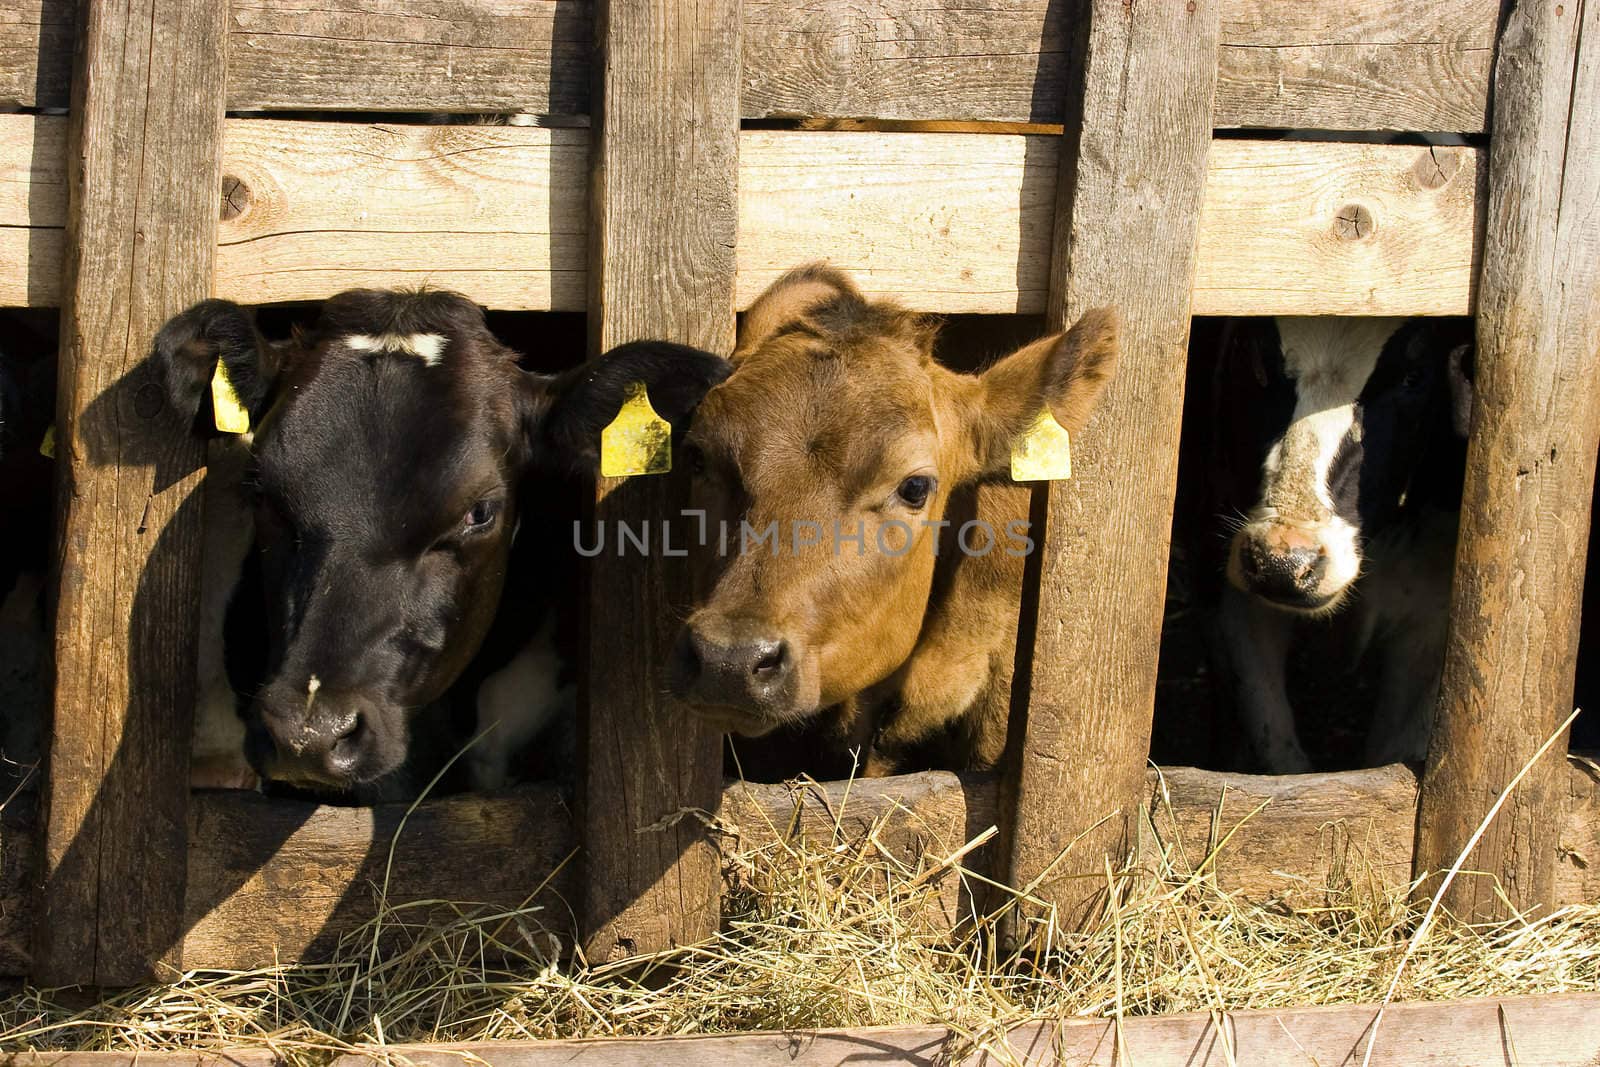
(1335, 459)
(396, 449)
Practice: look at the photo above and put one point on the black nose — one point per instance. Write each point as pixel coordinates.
(752, 674)
(1289, 574)
(323, 743)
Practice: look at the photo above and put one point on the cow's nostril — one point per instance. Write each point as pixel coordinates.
(1303, 561)
(771, 657)
(347, 727)
(349, 736)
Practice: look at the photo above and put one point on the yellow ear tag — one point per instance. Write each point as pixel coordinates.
(230, 415)
(638, 441)
(47, 447)
(1042, 452)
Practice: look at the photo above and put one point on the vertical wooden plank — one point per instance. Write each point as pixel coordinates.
(1512, 647)
(1131, 179)
(664, 173)
(144, 170)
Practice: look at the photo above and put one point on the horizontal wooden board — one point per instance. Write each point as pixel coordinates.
(36, 52)
(1301, 228)
(1368, 64)
(410, 55)
(284, 880)
(280, 880)
(944, 222)
(1553, 1031)
(33, 208)
(499, 213)
(254, 1057)
(1356, 64)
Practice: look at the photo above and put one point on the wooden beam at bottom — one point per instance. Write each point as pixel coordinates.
(280, 880)
(237, 1058)
(1553, 1031)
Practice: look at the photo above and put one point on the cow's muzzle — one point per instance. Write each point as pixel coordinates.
(322, 739)
(1293, 567)
(731, 672)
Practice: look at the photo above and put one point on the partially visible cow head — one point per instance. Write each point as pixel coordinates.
(1352, 421)
(838, 426)
(390, 443)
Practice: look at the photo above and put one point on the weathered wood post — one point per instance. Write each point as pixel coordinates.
(144, 167)
(663, 220)
(1132, 173)
(1513, 640)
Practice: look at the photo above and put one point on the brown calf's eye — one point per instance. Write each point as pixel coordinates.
(915, 490)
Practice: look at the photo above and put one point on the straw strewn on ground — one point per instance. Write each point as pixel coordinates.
(830, 933)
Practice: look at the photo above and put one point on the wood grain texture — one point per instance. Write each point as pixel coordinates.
(1513, 640)
(278, 881)
(238, 1058)
(1578, 844)
(281, 880)
(1554, 1031)
(956, 221)
(410, 55)
(943, 222)
(36, 52)
(663, 203)
(1127, 216)
(1366, 64)
(1337, 229)
(33, 209)
(1359, 65)
(497, 212)
(144, 166)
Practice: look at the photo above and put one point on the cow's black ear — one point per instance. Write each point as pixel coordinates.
(186, 350)
(573, 408)
(1461, 370)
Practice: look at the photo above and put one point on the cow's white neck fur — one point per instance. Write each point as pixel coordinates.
(428, 347)
(1329, 360)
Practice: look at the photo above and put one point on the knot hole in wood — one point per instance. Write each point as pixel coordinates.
(1353, 222)
(235, 198)
(1436, 166)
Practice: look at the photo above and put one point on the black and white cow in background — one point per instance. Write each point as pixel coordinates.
(396, 449)
(1334, 456)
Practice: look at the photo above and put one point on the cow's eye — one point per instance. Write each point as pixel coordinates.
(482, 516)
(915, 490)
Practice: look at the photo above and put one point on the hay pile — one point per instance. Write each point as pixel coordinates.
(826, 933)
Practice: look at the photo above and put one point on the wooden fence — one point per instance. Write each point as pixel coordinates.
(147, 197)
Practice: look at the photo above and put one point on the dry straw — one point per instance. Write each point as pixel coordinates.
(834, 931)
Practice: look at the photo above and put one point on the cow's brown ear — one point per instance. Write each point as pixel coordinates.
(1066, 372)
(788, 299)
(188, 348)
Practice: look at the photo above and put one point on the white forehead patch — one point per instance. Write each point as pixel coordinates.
(428, 347)
(1329, 358)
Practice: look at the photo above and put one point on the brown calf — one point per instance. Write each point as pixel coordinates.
(840, 607)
